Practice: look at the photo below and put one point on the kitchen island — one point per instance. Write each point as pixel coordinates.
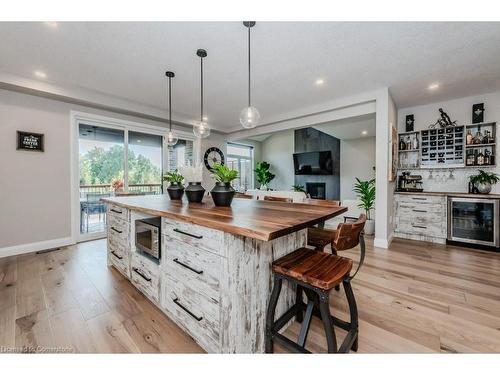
(213, 277)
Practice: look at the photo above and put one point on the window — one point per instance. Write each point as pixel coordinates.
(180, 155)
(240, 157)
(145, 163)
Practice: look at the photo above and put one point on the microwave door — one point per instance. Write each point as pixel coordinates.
(143, 237)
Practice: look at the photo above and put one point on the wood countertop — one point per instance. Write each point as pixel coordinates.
(450, 194)
(262, 220)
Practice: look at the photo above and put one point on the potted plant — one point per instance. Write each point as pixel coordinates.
(263, 174)
(366, 194)
(116, 185)
(300, 189)
(193, 176)
(483, 181)
(223, 192)
(175, 190)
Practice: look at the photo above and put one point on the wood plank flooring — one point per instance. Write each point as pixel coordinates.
(413, 298)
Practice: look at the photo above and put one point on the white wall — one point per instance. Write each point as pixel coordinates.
(35, 188)
(278, 151)
(461, 111)
(357, 159)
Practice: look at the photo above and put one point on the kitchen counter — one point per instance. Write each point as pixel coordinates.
(258, 219)
(450, 194)
(213, 276)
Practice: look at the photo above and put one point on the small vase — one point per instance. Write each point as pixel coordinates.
(195, 192)
(222, 194)
(175, 191)
(263, 187)
(483, 188)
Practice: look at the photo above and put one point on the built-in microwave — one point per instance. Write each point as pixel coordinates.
(148, 236)
(473, 220)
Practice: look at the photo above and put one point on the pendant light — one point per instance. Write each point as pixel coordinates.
(171, 137)
(201, 130)
(249, 116)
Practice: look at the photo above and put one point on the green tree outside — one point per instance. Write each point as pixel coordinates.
(99, 167)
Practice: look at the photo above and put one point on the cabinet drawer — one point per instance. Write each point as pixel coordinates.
(118, 231)
(118, 212)
(196, 267)
(145, 276)
(420, 208)
(421, 228)
(199, 237)
(119, 259)
(420, 198)
(199, 315)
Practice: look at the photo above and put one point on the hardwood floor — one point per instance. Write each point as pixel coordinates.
(414, 297)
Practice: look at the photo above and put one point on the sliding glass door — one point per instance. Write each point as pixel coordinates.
(119, 158)
(145, 163)
(101, 163)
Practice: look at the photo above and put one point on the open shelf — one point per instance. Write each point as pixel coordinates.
(480, 145)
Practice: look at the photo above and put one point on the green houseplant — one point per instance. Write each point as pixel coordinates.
(175, 190)
(299, 189)
(263, 174)
(365, 191)
(483, 181)
(223, 193)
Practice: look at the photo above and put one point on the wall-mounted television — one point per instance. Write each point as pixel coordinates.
(319, 162)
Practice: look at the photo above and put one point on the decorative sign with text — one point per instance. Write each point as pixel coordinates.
(29, 141)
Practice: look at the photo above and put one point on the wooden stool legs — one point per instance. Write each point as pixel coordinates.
(271, 310)
(318, 303)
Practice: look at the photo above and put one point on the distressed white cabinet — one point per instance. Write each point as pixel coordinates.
(421, 217)
(119, 239)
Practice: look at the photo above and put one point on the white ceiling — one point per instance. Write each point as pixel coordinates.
(128, 60)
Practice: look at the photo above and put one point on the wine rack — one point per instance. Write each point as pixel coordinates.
(442, 147)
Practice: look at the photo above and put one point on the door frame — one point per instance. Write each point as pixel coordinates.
(77, 117)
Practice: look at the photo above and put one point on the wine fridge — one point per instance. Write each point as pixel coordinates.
(473, 220)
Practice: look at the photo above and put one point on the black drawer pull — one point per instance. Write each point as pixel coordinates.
(176, 301)
(140, 274)
(419, 199)
(188, 234)
(419, 210)
(419, 226)
(116, 230)
(116, 255)
(115, 211)
(176, 260)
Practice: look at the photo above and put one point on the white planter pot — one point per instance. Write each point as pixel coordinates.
(370, 227)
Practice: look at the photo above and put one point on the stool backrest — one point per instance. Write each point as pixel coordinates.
(277, 199)
(348, 234)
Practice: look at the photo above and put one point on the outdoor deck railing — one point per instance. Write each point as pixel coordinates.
(104, 189)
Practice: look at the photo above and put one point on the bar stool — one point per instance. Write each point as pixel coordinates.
(315, 274)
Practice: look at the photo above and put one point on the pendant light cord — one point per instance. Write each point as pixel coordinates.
(201, 107)
(170, 102)
(249, 49)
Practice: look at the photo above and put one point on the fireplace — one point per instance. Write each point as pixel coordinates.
(316, 190)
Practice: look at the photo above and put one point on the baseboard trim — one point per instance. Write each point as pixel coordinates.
(383, 243)
(35, 246)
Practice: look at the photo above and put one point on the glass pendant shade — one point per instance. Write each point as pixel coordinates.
(201, 130)
(249, 117)
(171, 138)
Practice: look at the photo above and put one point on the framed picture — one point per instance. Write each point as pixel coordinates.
(478, 113)
(29, 141)
(393, 162)
(410, 122)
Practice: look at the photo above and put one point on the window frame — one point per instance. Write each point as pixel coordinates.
(239, 158)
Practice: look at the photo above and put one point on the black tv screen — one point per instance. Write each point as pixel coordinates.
(313, 162)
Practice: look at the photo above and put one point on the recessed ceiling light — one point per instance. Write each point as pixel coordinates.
(364, 132)
(52, 24)
(40, 74)
(205, 118)
(319, 82)
(433, 86)
(139, 141)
